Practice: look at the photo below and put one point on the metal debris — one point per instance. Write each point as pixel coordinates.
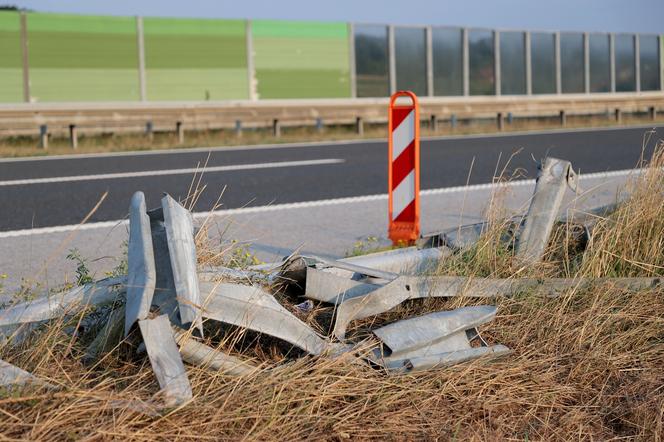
(66, 303)
(109, 336)
(141, 274)
(252, 308)
(435, 339)
(163, 279)
(11, 376)
(165, 359)
(388, 296)
(553, 177)
(406, 261)
(197, 353)
(182, 250)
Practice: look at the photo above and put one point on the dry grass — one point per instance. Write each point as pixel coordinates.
(586, 365)
(28, 146)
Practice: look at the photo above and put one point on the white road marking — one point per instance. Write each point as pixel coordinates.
(145, 173)
(308, 204)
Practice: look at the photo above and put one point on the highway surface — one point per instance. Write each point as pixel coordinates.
(55, 191)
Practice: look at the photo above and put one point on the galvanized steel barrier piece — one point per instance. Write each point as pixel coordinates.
(182, 250)
(141, 273)
(434, 340)
(200, 354)
(251, 307)
(11, 375)
(413, 287)
(553, 177)
(165, 359)
(67, 303)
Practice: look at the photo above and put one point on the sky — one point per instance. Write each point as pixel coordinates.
(644, 16)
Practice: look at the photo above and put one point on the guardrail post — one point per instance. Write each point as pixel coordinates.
(179, 128)
(359, 126)
(149, 130)
(433, 123)
(652, 110)
(618, 115)
(73, 136)
(563, 118)
(43, 136)
(238, 128)
(276, 128)
(500, 120)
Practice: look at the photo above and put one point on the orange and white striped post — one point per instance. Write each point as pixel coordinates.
(404, 169)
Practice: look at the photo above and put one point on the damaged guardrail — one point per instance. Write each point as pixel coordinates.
(173, 310)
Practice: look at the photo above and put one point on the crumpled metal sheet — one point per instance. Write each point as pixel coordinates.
(430, 334)
(65, 303)
(11, 375)
(165, 360)
(251, 307)
(413, 287)
(553, 177)
(182, 251)
(409, 260)
(434, 340)
(141, 274)
(197, 353)
(328, 287)
(442, 360)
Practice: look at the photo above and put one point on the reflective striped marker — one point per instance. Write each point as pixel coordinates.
(404, 169)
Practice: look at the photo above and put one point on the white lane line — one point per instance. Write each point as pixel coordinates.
(144, 173)
(308, 204)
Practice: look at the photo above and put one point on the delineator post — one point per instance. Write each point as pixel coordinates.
(404, 169)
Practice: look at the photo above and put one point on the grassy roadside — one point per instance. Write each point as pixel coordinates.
(586, 365)
(28, 146)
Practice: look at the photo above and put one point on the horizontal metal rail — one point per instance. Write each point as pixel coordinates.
(94, 118)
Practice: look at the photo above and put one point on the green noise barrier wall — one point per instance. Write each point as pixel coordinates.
(82, 58)
(195, 59)
(11, 74)
(301, 59)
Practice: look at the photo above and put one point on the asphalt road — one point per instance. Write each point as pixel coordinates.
(321, 171)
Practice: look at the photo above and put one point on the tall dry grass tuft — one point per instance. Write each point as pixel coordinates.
(586, 365)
